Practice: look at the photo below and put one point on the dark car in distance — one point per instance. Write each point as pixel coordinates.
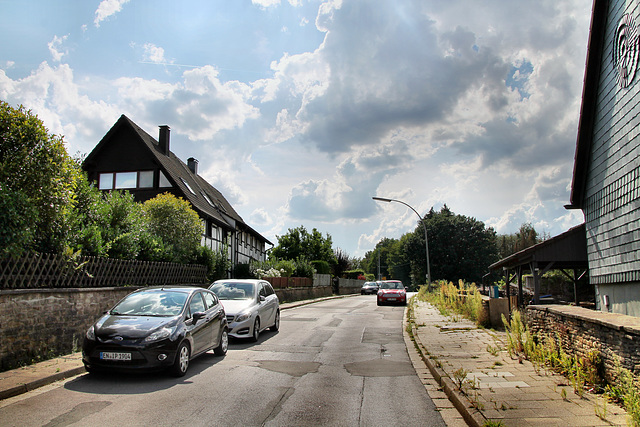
(157, 328)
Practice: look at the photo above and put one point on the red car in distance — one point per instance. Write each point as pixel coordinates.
(392, 291)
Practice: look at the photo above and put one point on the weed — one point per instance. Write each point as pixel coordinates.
(601, 411)
(492, 423)
(459, 377)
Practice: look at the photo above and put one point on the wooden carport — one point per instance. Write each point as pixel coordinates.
(566, 251)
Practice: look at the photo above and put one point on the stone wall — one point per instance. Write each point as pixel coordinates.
(40, 323)
(615, 336)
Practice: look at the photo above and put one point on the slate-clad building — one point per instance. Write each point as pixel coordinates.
(606, 178)
(128, 158)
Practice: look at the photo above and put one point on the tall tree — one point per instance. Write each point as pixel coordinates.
(298, 243)
(37, 181)
(459, 247)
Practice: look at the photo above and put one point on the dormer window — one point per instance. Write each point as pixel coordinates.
(206, 197)
(187, 185)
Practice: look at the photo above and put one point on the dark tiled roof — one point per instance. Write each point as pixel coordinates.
(220, 210)
(588, 108)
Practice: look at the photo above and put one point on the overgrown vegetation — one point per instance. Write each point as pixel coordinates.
(464, 299)
(584, 373)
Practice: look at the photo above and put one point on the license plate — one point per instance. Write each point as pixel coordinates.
(114, 356)
(391, 299)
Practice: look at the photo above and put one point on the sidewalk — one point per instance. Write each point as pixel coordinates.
(27, 378)
(497, 388)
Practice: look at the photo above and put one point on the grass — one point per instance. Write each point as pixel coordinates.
(582, 372)
(456, 300)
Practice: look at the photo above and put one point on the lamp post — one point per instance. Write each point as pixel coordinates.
(426, 240)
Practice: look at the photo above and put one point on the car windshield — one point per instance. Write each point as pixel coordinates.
(152, 303)
(392, 285)
(370, 284)
(236, 291)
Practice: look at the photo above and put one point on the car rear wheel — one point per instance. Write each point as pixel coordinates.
(256, 330)
(181, 364)
(276, 322)
(223, 345)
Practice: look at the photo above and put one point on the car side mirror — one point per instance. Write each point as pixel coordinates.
(197, 316)
(262, 298)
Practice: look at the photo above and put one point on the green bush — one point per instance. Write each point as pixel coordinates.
(243, 271)
(304, 268)
(287, 267)
(354, 274)
(216, 262)
(322, 267)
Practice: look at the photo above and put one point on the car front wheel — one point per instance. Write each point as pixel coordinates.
(223, 345)
(181, 364)
(276, 323)
(256, 331)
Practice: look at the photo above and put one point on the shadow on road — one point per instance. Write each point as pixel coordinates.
(138, 382)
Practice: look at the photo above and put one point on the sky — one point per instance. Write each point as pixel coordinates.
(299, 111)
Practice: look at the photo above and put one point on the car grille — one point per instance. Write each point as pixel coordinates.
(230, 318)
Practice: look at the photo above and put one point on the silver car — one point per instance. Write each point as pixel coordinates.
(251, 306)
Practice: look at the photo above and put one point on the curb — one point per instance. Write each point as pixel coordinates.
(471, 415)
(40, 382)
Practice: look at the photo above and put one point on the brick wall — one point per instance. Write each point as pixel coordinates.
(38, 324)
(614, 336)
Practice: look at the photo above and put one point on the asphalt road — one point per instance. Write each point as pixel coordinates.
(340, 362)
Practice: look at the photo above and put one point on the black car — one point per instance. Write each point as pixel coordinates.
(157, 328)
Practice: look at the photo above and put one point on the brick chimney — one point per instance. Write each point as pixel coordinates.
(163, 139)
(193, 165)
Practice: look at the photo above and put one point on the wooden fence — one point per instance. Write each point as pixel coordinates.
(289, 282)
(55, 271)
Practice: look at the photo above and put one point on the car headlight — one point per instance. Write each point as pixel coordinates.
(91, 333)
(242, 316)
(158, 335)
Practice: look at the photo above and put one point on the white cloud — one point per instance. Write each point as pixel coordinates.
(155, 54)
(107, 8)
(265, 3)
(54, 48)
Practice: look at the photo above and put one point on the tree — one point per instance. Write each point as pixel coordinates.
(37, 181)
(525, 237)
(298, 243)
(382, 253)
(459, 247)
(178, 226)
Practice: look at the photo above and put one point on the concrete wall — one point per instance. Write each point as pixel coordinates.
(615, 336)
(350, 286)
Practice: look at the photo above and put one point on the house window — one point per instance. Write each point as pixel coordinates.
(146, 179)
(105, 181)
(126, 180)
(206, 197)
(187, 185)
(164, 182)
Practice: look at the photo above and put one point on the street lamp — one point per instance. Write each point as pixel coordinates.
(426, 240)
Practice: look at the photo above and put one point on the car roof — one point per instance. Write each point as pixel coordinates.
(174, 288)
(238, 281)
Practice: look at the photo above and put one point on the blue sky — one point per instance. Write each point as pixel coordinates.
(300, 111)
